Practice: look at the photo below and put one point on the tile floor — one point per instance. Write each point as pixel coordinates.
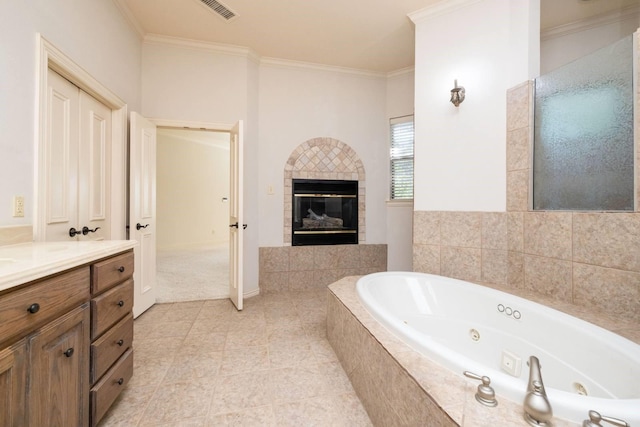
(203, 363)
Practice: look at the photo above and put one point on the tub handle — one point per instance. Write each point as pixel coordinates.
(485, 394)
(595, 418)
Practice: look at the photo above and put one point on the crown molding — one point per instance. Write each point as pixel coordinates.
(401, 72)
(227, 49)
(130, 18)
(288, 63)
(629, 12)
(440, 8)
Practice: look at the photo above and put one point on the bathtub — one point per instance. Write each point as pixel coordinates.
(466, 327)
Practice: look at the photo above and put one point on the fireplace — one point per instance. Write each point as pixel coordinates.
(325, 212)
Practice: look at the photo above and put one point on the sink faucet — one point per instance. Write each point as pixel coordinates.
(537, 409)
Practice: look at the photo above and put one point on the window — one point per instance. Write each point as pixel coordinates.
(401, 158)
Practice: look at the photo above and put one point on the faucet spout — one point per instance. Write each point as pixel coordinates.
(537, 409)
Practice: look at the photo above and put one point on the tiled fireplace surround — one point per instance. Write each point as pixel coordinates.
(294, 268)
(589, 259)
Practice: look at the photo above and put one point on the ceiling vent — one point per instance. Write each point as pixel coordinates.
(220, 9)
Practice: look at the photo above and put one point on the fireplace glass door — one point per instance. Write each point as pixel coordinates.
(325, 212)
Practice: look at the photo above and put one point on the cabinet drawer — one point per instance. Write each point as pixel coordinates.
(110, 346)
(111, 306)
(109, 272)
(25, 309)
(109, 387)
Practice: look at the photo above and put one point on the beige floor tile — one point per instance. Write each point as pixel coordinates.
(254, 417)
(205, 364)
(175, 402)
(206, 342)
(335, 411)
(128, 408)
(291, 353)
(194, 367)
(246, 338)
(239, 392)
(243, 360)
(149, 372)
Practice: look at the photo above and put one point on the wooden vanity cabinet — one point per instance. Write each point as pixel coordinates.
(13, 384)
(66, 345)
(111, 331)
(44, 351)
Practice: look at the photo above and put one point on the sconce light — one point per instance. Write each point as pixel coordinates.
(457, 94)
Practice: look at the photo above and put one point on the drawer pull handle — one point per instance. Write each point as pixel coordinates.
(121, 269)
(120, 303)
(34, 308)
(121, 381)
(69, 352)
(120, 342)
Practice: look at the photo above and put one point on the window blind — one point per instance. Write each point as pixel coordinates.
(401, 158)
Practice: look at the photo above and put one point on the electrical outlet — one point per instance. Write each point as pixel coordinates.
(18, 206)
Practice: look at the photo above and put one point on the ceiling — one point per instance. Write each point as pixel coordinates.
(373, 35)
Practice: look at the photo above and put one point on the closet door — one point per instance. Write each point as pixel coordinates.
(60, 167)
(94, 184)
(77, 169)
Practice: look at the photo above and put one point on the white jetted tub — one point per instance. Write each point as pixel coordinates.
(467, 327)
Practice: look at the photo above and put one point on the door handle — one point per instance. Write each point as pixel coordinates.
(86, 230)
(73, 232)
(244, 226)
(139, 226)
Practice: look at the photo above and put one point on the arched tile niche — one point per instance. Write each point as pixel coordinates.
(323, 158)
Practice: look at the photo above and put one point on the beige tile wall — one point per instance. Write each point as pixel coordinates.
(286, 268)
(391, 396)
(588, 259)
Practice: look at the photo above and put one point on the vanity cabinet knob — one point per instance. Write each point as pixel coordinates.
(34, 308)
(121, 269)
(69, 352)
(121, 381)
(120, 342)
(120, 303)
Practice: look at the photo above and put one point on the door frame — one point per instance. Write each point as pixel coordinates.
(211, 126)
(50, 57)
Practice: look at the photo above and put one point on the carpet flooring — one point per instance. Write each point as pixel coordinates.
(193, 274)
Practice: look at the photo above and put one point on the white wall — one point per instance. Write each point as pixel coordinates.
(95, 36)
(558, 48)
(400, 89)
(192, 180)
(460, 152)
(297, 104)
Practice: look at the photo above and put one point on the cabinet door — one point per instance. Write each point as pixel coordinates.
(13, 380)
(59, 371)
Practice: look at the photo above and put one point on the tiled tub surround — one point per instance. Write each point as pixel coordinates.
(590, 259)
(324, 158)
(298, 268)
(399, 386)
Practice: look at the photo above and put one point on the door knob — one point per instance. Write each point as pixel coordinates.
(86, 230)
(73, 232)
(139, 226)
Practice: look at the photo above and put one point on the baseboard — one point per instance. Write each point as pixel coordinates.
(250, 294)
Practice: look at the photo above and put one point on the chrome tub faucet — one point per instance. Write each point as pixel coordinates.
(537, 409)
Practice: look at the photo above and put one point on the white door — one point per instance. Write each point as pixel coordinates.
(142, 210)
(76, 170)
(94, 192)
(236, 226)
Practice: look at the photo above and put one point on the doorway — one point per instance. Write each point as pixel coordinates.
(192, 214)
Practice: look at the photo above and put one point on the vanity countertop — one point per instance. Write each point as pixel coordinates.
(26, 262)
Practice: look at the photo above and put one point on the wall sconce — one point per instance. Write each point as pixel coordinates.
(457, 94)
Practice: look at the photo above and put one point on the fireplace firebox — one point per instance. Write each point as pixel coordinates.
(325, 212)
